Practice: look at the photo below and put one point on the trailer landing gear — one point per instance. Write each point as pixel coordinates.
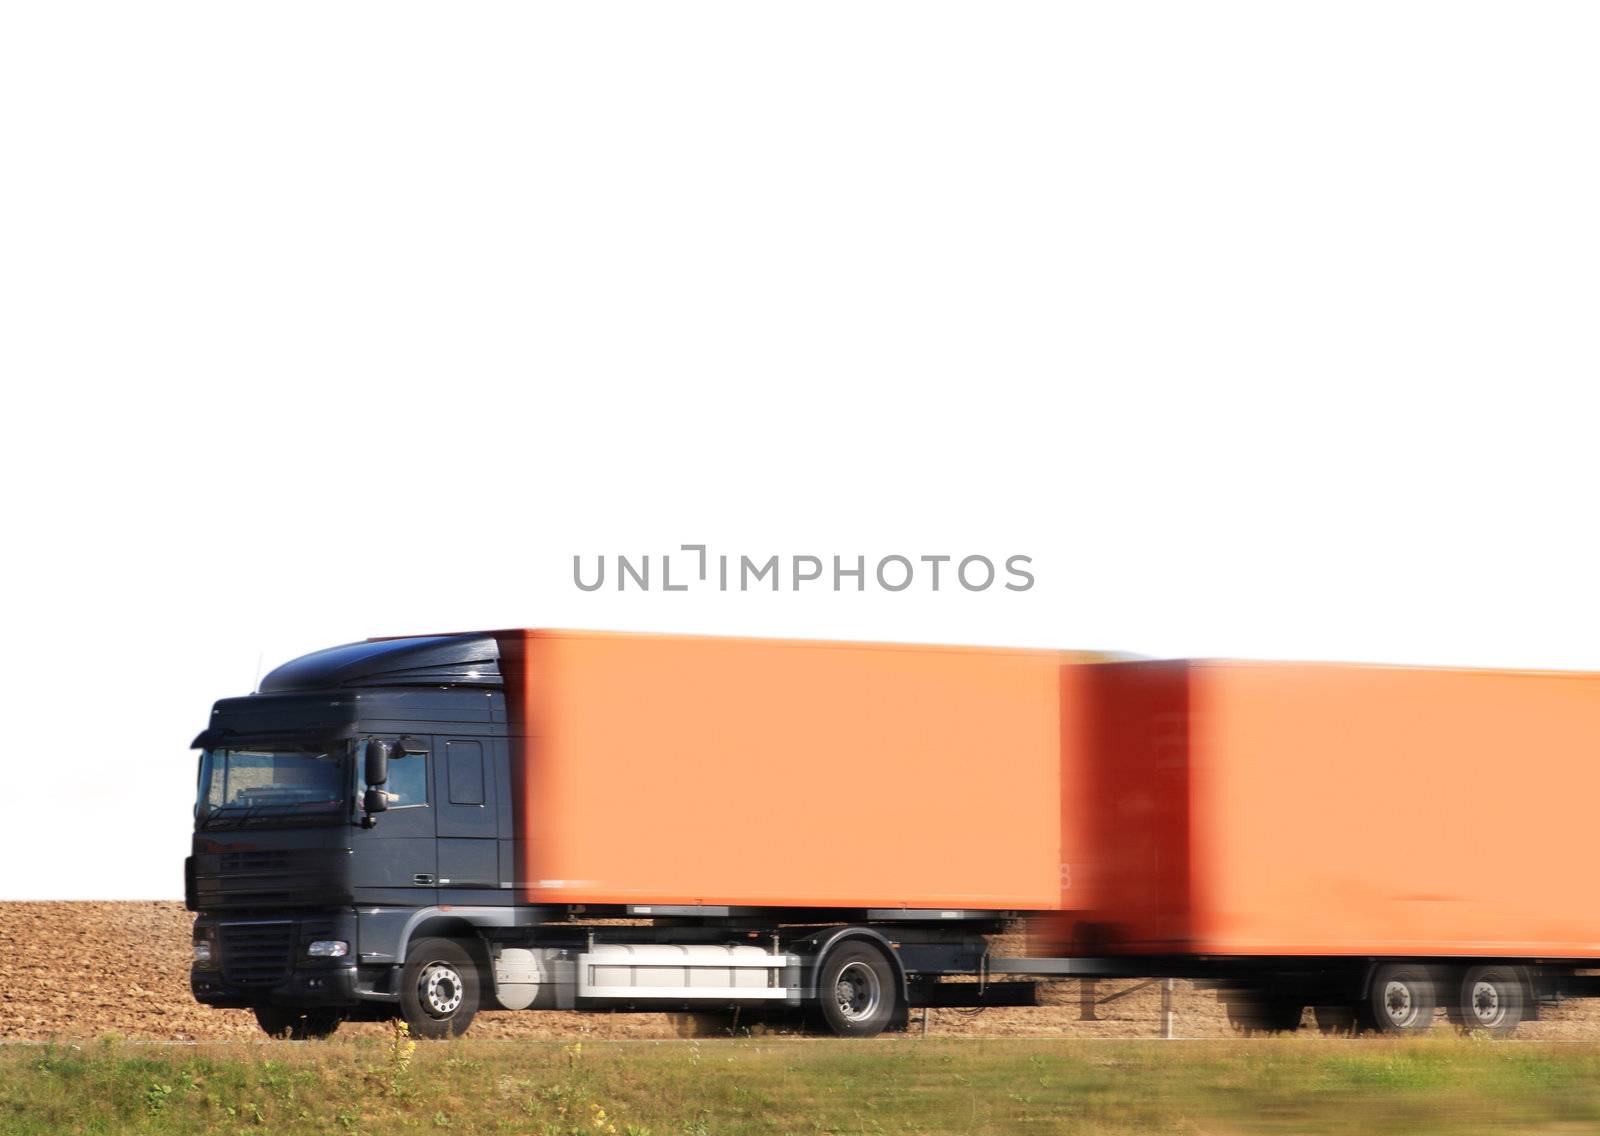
(1252, 1012)
(1335, 1020)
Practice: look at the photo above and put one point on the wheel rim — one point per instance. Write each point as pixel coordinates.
(857, 992)
(441, 989)
(1399, 1003)
(1488, 1008)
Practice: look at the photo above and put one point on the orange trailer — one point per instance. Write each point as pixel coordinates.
(670, 771)
(1254, 812)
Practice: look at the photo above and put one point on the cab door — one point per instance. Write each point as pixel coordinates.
(464, 789)
(395, 861)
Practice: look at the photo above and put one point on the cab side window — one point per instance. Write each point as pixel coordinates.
(408, 780)
(464, 768)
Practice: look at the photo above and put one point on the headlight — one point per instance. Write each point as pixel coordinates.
(202, 950)
(328, 949)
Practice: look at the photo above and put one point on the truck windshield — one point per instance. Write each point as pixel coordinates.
(237, 785)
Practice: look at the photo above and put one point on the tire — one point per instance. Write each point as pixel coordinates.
(1336, 1019)
(439, 988)
(1252, 1014)
(857, 993)
(1490, 1000)
(298, 1025)
(1401, 999)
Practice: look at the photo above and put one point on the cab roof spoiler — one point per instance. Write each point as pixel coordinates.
(428, 660)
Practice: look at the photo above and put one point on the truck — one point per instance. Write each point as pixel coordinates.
(832, 834)
(422, 827)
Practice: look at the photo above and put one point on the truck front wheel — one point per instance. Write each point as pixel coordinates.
(856, 991)
(297, 1025)
(439, 988)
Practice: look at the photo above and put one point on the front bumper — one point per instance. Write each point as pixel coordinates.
(321, 986)
(261, 960)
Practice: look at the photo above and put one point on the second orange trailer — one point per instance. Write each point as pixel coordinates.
(1379, 840)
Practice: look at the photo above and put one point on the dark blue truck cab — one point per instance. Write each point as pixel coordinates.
(308, 891)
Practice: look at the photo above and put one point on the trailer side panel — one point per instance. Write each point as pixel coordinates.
(669, 770)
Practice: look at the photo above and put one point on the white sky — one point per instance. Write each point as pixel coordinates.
(1266, 330)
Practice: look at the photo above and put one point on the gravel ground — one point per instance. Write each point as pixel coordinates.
(85, 970)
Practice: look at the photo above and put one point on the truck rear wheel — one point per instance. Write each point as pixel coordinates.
(439, 988)
(856, 991)
(1491, 1000)
(297, 1025)
(1401, 999)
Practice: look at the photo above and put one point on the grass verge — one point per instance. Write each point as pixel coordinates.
(1434, 1084)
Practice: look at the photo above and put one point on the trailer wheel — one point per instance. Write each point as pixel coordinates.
(1401, 999)
(439, 988)
(856, 994)
(297, 1025)
(1491, 1000)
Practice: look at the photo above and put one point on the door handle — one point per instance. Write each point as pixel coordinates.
(422, 879)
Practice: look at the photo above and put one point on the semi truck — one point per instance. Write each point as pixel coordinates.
(833, 834)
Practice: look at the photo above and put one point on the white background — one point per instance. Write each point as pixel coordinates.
(1265, 329)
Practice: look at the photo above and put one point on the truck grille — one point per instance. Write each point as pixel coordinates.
(269, 861)
(267, 878)
(256, 954)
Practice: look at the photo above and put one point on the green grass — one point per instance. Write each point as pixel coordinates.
(906, 1085)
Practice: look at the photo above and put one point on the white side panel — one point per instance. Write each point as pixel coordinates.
(538, 979)
(682, 971)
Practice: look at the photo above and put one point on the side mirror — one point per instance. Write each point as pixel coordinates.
(373, 802)
(377, 766)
